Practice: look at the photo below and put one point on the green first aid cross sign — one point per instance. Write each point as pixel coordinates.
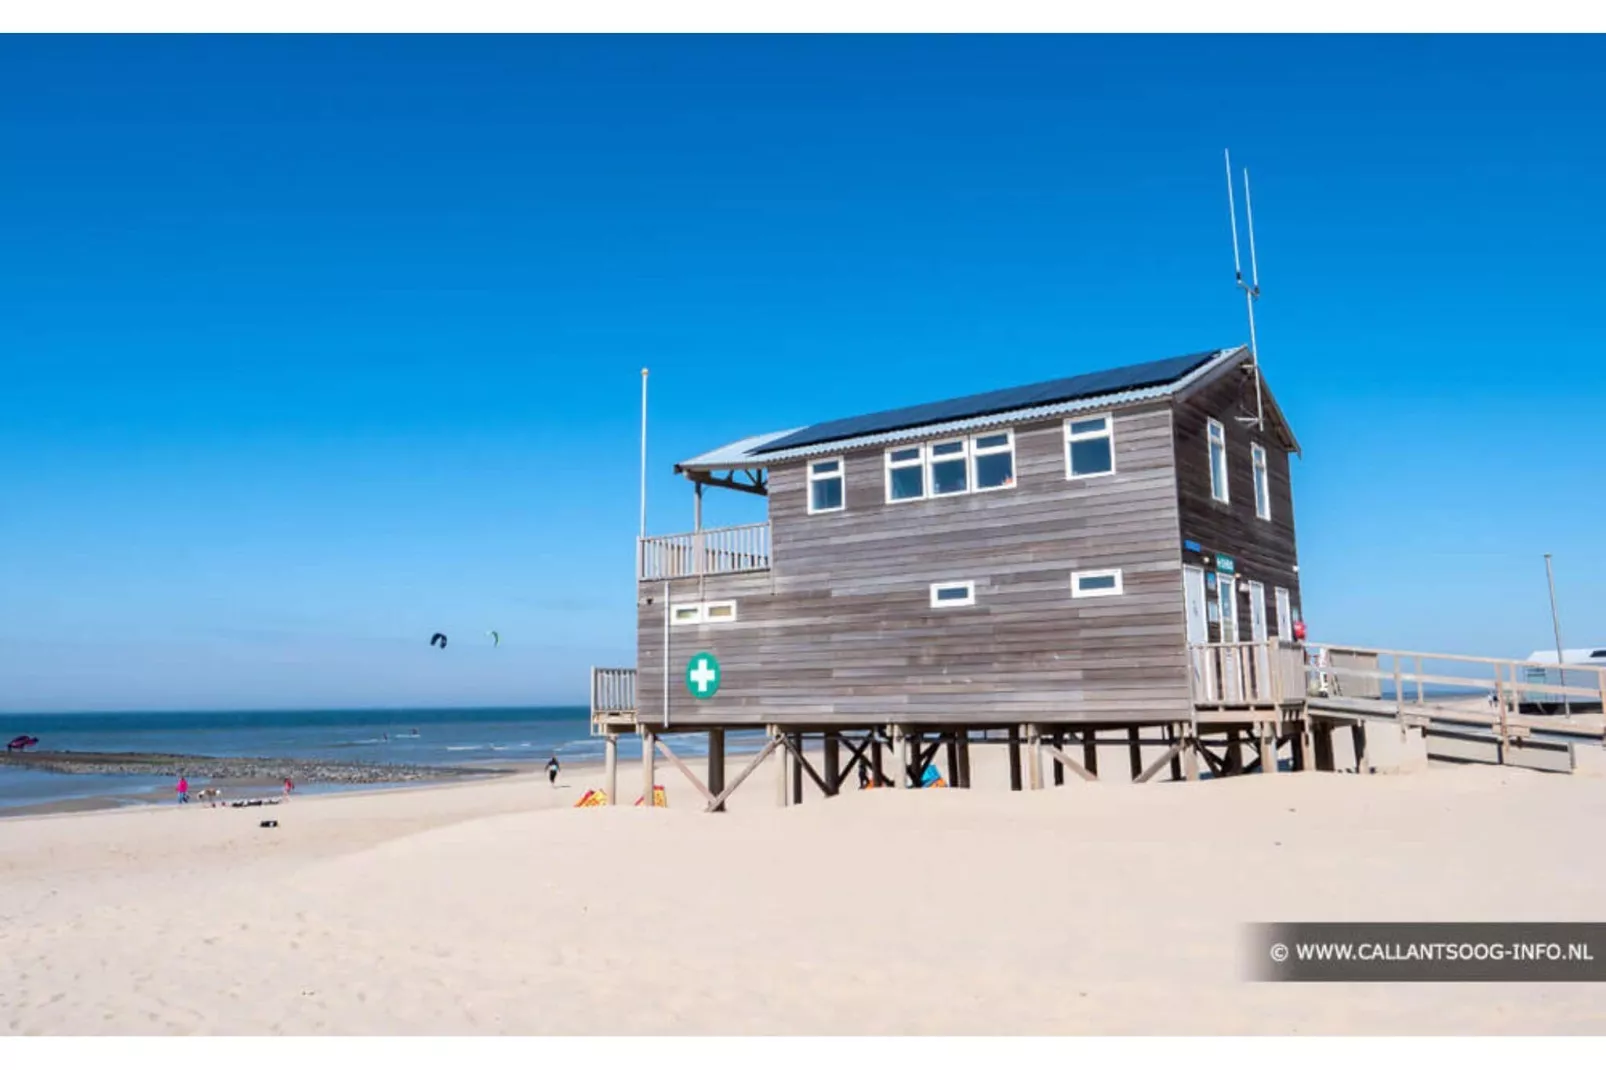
(702, 675)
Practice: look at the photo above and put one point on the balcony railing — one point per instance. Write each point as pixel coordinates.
(1263, 674)
(710, 552)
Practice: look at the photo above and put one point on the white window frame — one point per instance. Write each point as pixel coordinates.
(889, 465)
(1257, 455)
(1226, 581)
(953, 603)
(701, 609)
(1285, 613)
(840, 474)
(1259, 629)
(708, 616)
(977, 452)
(932, 460)
(1087, 436)
(1215, 430)
(1097, 592)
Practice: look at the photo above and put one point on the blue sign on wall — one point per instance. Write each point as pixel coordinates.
(1224, 564)
(1190, 545)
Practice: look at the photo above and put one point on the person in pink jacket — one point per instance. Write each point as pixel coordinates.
(183, 789)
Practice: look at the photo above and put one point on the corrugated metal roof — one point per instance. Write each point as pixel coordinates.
(736, 455)
(1092, 384)
(760, 451)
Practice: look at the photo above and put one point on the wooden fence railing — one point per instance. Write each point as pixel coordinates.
(1267, 674)
(613, 690)
(710, 552)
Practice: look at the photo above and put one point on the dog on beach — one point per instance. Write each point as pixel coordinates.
(210, 796)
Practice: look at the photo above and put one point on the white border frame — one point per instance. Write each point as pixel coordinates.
(969, 599)
(707, 619)
(1109, 433)
(963, 457)
(1084, 574)
(1225, 497)
(1257, 597)
(1282, 596)
(810, 479)
(702, 612)
(976, 453)
(919, 462)
(1260, 469)
(1231, 603)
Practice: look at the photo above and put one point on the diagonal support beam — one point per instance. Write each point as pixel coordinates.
(1160, 763)
(685, 771)
(797, 752)
(758, 760)
(1070, 763)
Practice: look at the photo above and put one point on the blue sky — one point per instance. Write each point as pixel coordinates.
(315, 346)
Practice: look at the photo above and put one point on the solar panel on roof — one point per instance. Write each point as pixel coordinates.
(1091, 384)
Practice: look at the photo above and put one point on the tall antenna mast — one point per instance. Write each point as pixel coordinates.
(1251, 288)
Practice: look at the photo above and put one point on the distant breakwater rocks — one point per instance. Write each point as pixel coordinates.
(301, 770)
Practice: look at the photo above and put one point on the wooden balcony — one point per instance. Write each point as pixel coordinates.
(613, 699)
(710, 552)
(1263, 676)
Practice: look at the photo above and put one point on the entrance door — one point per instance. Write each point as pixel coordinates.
(1232, 684)
(1257, 611)
(1193, 590)
(1285, 615)
(1193, 598)
(1259, 664)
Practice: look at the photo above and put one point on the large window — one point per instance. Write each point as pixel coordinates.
(1218, 461)
(994, 457)
(1089, 447)
(1098, 583)
(825, 486)
(906, 474)
(950, 467)
(1257, 453)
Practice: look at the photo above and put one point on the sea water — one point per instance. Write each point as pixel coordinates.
(433, 737)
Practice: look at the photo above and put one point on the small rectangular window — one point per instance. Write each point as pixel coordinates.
(906, 474)
(1257, 453)
(702, 612)
(1218, 461)
(1096, 584)
(1089, 447)
(944, 595)
(825, 486)
(949, 465)
(994, 459)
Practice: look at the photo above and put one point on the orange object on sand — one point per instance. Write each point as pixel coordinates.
(593, 798)
(658, 797)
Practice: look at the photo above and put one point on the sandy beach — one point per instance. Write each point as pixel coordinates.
(497, 907)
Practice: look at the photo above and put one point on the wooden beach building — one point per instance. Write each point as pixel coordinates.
(1055, 566)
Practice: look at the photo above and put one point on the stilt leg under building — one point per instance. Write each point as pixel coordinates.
(716, 762)
(610, 766)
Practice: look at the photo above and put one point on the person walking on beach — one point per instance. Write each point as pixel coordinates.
(552, 771)
(183, 788)
(289, 786)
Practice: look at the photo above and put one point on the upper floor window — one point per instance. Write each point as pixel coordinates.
(950, 467)
(1218, 461)
(825, 486)
(1089, 447)
(1257, 453)
(906, 473)
(953, 466)
(994, 457)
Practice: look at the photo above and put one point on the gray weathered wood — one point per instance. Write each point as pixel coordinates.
(685, 770)
(1064, 761)
(747, 771)
(1159, 764)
